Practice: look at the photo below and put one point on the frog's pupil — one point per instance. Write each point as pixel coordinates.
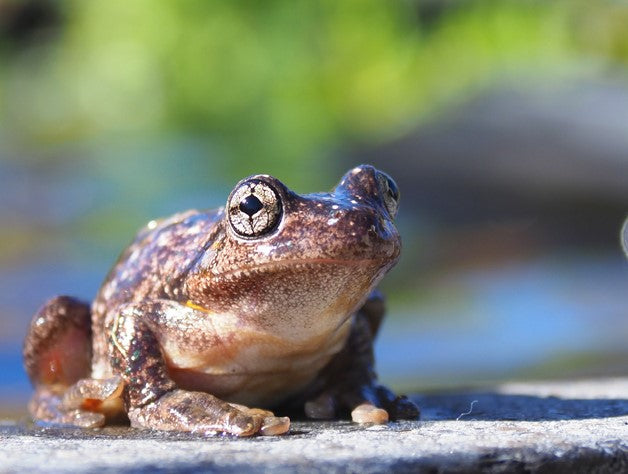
(250, 205)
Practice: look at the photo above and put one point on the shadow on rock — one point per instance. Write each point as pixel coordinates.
(490, 406)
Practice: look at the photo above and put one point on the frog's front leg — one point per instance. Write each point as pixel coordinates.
(349, 382)
(154, 401)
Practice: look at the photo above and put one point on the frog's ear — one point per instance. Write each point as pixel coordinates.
(254, 207)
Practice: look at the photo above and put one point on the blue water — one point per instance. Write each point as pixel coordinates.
(13, 381)
(24, 289)
(493, 323)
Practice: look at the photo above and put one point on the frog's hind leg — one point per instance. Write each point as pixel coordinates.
(58, 347)
(57, 358)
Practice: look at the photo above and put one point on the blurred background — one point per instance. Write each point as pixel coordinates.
(505, 124)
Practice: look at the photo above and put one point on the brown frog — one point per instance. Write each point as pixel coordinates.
(267, 302)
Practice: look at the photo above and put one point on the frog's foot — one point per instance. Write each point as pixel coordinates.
(369, 404)
(368, 413)
(95, 395)
(46, 407)
(199, 412)
(83, 405)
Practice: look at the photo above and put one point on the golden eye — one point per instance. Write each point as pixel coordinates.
(254, 208)
(390, 193)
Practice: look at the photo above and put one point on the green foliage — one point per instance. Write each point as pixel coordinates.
(271, 85)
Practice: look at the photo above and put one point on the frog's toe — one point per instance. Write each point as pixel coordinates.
(84, 419)
(91, 393)
(200, 412)
(251, 411)
(275, 425)
(398, 407)
(232, 422)
(403, 409)
(367, 413)
(270, 424)
(47, 408)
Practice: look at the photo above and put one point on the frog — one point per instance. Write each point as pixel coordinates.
(213, 321)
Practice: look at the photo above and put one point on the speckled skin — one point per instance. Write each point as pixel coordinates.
(195, 320)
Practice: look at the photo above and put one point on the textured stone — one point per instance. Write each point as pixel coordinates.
(545, 427)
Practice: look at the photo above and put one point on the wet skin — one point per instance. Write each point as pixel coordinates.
(269, 302)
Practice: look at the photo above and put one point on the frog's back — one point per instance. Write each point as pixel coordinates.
(158, 258)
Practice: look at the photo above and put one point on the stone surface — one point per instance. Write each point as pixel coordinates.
(545, 427)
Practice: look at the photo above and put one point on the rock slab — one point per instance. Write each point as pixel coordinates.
(534, 427)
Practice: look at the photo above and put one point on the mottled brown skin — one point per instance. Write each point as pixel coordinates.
(269, 302)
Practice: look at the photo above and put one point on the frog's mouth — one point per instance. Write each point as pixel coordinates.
(303, 264)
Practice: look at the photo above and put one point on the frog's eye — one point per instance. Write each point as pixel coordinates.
(254, 208)
(390, 193)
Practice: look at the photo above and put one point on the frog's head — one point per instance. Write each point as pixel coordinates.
(303, 261)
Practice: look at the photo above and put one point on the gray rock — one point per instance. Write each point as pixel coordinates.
(558, 427)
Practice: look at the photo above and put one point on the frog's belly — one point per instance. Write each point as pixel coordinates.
(267, 389)
(253, 369)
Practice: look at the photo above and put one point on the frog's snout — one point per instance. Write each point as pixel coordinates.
(365, 231)
(366, 184)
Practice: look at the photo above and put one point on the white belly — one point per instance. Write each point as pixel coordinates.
(253, 367)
